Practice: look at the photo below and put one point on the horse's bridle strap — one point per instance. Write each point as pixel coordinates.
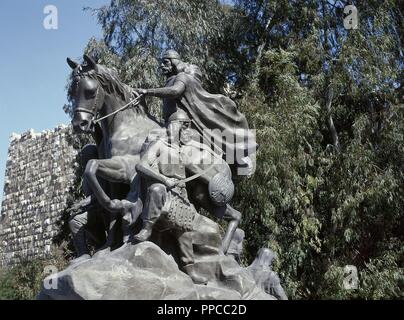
(84, 110)
(134, 101)
(93, 110)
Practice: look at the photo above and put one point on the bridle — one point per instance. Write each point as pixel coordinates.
(134, 102)
(94, 113)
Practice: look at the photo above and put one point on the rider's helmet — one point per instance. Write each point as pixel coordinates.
(180, 116)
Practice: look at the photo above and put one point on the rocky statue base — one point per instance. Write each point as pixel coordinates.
(145, 272)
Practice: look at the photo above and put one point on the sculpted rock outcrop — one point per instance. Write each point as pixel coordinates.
(143, 272)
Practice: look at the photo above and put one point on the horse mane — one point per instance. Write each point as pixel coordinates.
(110, 82)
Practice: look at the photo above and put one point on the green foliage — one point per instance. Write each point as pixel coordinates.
(380, 278)
(140, 30)
(278, 200)
(23, 281)
(320, 207)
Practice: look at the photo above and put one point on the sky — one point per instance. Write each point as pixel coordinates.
(33, 68)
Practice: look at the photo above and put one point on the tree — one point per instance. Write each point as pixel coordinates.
(333, 197)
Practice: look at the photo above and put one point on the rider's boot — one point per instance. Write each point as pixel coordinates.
(146, 232)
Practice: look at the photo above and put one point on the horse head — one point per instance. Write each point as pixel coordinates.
(87, 94)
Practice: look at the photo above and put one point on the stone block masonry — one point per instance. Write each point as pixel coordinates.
(40, 171)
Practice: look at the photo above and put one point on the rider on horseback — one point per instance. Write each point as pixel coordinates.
(214, 116)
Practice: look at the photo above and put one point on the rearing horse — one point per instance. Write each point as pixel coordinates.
(98, 93)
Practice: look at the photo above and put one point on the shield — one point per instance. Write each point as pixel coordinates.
(221, 189)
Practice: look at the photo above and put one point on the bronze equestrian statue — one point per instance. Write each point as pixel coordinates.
(103, 104)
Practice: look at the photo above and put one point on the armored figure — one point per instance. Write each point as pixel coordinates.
(265, 277)
(164, 166)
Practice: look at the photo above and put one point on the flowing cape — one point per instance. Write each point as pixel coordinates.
(219, 114)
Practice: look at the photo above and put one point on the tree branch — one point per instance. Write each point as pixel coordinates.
(330, 121)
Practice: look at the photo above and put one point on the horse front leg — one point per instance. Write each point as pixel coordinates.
(112, 171)
(91, 175)
(116, 170)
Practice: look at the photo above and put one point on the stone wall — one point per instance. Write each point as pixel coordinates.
(39, 174)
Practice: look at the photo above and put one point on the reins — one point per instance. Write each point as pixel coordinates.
(132, 103)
